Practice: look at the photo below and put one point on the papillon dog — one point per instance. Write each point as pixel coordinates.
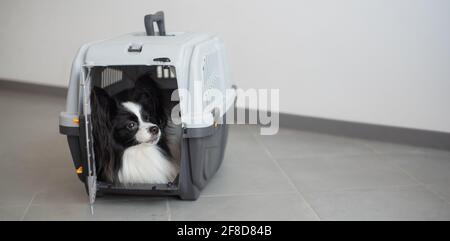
(128, 129)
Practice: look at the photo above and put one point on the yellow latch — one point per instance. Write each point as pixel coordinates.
(80, 170)
(76, 121)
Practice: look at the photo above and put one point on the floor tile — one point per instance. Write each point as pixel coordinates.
(429, 168)
(12, 213)
(344, 172)
(291, 143)
(246, 207)
(403, 203)
(15, 189)
(255, 176)
(110, 209)
(440, 189)
(386, 147)
(62, 195)
(242, 146)
(432, 168)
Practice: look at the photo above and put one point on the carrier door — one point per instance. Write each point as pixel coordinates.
(91, 180)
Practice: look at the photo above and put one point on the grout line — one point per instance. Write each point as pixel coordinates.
(325, 155)
(244, 194)
(424, 185)
(370, 147)
(28, 206)
(417, 150)
(365, 144)
(168, 210)
(436, 193)
(368, 188)
(395, 163)
(286, 176)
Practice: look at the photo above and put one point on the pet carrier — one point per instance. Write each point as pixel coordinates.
(176, 61)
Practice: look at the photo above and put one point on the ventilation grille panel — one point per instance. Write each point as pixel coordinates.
(110, 76)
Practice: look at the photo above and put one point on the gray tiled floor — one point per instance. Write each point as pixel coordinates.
(294, 175)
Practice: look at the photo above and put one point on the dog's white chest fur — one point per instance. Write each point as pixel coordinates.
(146, 163)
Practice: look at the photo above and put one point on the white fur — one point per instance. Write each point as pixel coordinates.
(145, 163)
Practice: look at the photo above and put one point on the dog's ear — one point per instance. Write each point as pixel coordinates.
(101, 100)
(149, 92)
(103, 108)
(144, 81)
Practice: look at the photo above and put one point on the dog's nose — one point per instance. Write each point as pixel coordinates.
(154, 130)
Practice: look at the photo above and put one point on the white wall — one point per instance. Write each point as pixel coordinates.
(374, 61)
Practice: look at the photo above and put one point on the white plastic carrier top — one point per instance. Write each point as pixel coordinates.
(199, 61)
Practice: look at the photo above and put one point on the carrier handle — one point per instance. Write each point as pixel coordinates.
(158, 17)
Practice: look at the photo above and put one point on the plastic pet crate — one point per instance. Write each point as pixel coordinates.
(175, 61)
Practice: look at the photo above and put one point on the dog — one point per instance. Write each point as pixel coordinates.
(128, 129)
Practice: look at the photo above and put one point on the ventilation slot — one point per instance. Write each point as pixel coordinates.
(110, 76)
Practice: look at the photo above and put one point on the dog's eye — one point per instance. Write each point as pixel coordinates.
(131, 126)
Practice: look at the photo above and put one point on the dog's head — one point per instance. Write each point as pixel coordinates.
(136, 123)
(135, 115)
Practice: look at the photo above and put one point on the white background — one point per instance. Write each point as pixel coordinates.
(372, 61)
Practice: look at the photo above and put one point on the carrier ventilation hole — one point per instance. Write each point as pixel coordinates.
(110, 76)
